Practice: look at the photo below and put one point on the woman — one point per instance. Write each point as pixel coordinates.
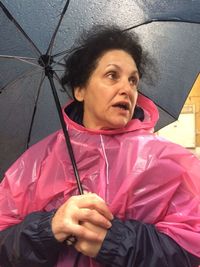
(145, 210)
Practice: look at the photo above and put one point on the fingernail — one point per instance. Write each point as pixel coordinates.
(109, 224)
(111, 217)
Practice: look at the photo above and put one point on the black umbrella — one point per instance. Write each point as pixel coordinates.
(43, 65)
(35, 36)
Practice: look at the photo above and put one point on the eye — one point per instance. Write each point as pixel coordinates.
(134, 80)
(113, 75)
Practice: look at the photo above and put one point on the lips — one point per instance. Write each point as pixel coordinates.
(122, 105)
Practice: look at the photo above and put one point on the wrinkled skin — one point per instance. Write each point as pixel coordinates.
(85, 216)
(113, 82)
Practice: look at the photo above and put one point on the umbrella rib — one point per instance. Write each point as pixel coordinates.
(12, 19)
(58, 62)
(161, 20)
(34, 111)
(23, 59)
(49, 50)
(24, 75)
(62, 53)
(158, 105)
(65, 52)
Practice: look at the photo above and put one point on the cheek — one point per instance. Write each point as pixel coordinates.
(103, 98)
(95, 102)
(134, 98)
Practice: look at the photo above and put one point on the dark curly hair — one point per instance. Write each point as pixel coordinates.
(83, 59)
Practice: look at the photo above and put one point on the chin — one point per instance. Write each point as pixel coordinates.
(118, 125)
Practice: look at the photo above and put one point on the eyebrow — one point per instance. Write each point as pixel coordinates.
(118, 67)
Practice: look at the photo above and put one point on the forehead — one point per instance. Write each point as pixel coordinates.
(116, 57)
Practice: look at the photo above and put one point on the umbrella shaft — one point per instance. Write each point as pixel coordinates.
(67, 138)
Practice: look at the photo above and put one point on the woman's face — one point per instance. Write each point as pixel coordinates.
(111, 93)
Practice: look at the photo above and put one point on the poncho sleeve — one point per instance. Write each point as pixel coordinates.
(165, 192)
(26, 238)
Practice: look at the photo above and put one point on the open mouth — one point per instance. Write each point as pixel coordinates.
(121, 105)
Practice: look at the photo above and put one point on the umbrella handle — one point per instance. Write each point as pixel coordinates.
(49, 74)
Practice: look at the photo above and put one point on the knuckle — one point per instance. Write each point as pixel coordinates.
(66, 225)
(72, 199)
(82, 246)
(92, 215)
(93, 196)
(83, 249)
(87, 213)
(82, 232)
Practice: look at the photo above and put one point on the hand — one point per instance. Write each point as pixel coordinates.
(88, 247)
(71, 216)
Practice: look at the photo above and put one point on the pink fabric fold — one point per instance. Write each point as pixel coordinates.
(140, 175)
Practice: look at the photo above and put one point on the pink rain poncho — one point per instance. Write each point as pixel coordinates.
(139, 174)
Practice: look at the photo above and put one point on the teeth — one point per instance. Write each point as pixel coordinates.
(122, 106)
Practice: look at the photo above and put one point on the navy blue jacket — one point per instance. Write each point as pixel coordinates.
(131, 243)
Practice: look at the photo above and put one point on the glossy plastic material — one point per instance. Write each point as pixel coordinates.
(140, 175)
(172, 39)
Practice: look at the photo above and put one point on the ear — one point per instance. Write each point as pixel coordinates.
(79, 93)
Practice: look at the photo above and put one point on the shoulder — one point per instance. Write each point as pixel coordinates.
(35, 155)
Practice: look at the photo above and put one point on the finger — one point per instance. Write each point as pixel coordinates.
(82, 232)
(94, 217)
(88, 248)
(93, 201)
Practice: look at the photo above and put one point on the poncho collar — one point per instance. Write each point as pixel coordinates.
(151, 117)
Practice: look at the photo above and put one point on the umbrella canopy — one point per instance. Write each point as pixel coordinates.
(169, 30)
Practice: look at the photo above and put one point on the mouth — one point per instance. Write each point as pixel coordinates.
(122, 105)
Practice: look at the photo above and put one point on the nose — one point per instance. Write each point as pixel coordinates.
(126, 88)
